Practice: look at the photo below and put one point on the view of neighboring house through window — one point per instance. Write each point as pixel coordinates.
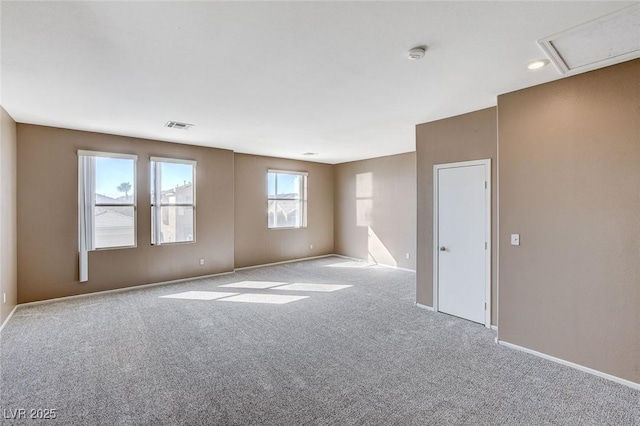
(287, 199)
(106, 203)
(172, 200)
(110, 182)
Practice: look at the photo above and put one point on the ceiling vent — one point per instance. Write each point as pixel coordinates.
(605, 41)
(178, 125)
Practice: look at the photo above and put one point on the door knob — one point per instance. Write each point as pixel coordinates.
(443, 248)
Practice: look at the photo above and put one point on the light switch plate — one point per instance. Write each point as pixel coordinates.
(515, 239)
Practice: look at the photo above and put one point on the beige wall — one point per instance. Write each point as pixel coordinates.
(375, 210)
(255, 243)
(8, 238)
(462, 138)
(570, 186)
(48, 216)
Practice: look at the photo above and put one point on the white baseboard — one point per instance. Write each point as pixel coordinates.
(616, 379)
(120, 290)
(428, 308)
(347, 257)
(376, 264)
(396, 268)
(302, 259)
(137, 287)
(6, 321)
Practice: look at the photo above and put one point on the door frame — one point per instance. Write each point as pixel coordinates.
(436, 237)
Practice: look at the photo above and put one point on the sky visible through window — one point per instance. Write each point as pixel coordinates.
(287, 183)
(175, 174)
(111, 172)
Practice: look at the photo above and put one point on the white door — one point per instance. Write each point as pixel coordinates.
(462, 234)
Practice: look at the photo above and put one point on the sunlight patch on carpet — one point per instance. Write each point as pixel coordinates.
(253, 284)
(311, 287)
(276, 299)
(351, 265)
(199, 295)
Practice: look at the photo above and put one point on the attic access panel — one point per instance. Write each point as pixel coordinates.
(608, 40)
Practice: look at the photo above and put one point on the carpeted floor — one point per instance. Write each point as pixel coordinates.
(209, 354)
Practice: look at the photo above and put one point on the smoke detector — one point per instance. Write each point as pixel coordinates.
(417, 53)
(178, 125)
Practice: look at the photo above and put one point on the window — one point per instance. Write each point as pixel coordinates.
(287, 199)
(173, 201)
(106, 203)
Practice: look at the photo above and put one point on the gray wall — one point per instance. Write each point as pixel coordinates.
(570, 185)
(375, 210)
(48, 216)
(462, 138)
(8, 235)
(255, 243)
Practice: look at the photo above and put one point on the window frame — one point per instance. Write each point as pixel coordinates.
(87, 205)
(95, 204)
(302, 199)
(156, 185)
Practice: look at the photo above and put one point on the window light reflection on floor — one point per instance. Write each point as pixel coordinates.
(253, 284)
(277, 299)
(351, 265)
(311, 287)
(199, 295)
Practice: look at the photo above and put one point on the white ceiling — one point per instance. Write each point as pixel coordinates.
(277, 79)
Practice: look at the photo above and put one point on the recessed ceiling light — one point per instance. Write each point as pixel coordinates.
(537, 64)
(417, 53)
(178, 125)
(310, 153)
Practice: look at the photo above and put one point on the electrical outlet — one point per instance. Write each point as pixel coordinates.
(201, 262)
(310, 246)
(407, 256)
(515, 239)
(4, 297)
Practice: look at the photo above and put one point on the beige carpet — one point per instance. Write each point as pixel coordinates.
(327, 341)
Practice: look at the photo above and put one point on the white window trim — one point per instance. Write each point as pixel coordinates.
(291, 172)
(156, 217)
(303, 198)
(86, 207)
(173, 160)
(107, 154)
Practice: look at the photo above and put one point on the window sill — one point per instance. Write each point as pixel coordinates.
(115, 248)
(287, 227)
(173, 243)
